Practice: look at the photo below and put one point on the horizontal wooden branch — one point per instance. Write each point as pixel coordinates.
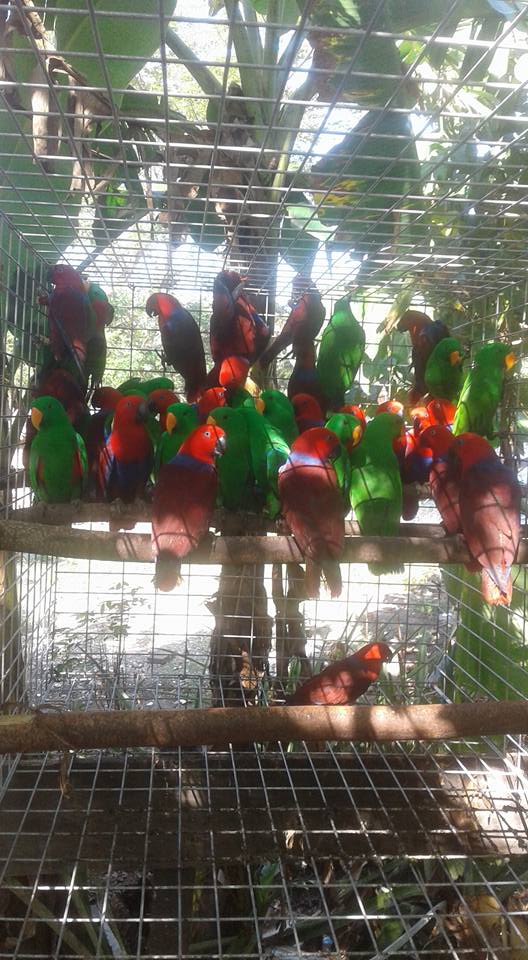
(417, 543)
(167, 729)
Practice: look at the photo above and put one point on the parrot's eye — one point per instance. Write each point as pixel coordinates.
(207, 433)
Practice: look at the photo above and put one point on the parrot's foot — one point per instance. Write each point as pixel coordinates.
(118, 511)
(41, 511)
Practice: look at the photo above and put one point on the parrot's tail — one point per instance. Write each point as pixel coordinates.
(312, 580)
(168, 572)
(385, 569)
(332, 572)
(495, 595)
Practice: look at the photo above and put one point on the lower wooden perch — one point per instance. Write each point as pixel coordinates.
(167, 729)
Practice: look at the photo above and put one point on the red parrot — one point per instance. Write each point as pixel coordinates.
(490, 506)
(126, 459)
(303, 378)
(70, 316)
(344, 681)
(355, 411)
(308, 413)
(312, 505)
(104, 401)
(443, 476)
(184, 500)
(390, 406)
(425, 334)
(159, 401)
(209, 400)
(236, 329)
(441, 412)
(414, 460)
(302, 326)
(181, 341)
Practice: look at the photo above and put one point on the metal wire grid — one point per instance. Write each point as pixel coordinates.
(22, 194)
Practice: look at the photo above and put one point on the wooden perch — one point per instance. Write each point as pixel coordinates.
(417, 543)
(167, 729)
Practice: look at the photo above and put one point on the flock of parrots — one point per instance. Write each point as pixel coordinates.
(306, 456)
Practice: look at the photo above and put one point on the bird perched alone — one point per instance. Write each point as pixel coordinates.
(301, 328)
(482, 390)
(444, 373)
(490, 506)
(343, 681)
(312, 506)
(127, 457)
(183, 502)
(425, 334)
(181, 341)
(340, 354)
(58, 464)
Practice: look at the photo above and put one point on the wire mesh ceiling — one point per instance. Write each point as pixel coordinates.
(365, 143)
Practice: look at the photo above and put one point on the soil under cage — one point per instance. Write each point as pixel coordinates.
(378, 149)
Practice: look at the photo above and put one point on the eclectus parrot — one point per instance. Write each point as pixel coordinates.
(236, 329)
(301, 328)
(181, 341)
(444, 476)
(181, 420)
(425, 334)
(340, 354)
(279, 411)
(444, 375)
(441, 413)
(308, 413)
(356, 411)
(343, 681)
(269, 451)
(96, 345)
(482, 390)
(303, 378)
(209, 400)
(349, 431)
(312, 506)
(376, 487)
(184, 501)
(390, 406)
(65, 388)
(159, 403)
(58, 465)
(71, 320)
(104, 401)
(235, 475)
(127, 457)
(490, 508)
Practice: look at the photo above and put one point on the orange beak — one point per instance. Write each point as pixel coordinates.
(170, 422)
(510, 360)
(36, 417)
(260, 404)
(454, 358)
(211, 421)
(357, 433)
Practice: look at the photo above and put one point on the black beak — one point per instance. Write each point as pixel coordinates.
(220, 446)
(142, 413)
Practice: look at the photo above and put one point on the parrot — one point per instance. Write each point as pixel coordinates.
(349, 430)
(355, 411)
(181, 341)
(340, 354)
(443, 372)
(62, 385)
(96, 346)
(443, 476)
(490, 507)
(133, 385)
(268, 451)
(312, 506)
(343, 681)
(236, 329)
(181, 420)
(482, 390)
(308, 413)
(425, 334)
(104, 401)
(301, 328)
(183, 502)
(209, 400)
(71, 319)
(155, 383)
(441, 412)
(279, 411)
(233, 374)
(159, 403)
(390, 406)
(235, 476)
(303, 378)
(376, 487)
(58, 464)
(126, 459)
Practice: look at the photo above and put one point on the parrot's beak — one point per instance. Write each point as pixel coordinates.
(260, 404)
(510, 360)
(357, 434)
(211, 421)
(252, 387)
(36, 417)
(454, 358)
(220, 445)
(171, 421)
(142, 412)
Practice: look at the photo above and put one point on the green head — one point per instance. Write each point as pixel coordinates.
(496, 355)
(449, 350)
(228, 418)
(182, 417)
(384, 428)
(48, 412)
(347, 427)
(274, 400)
(157, 383)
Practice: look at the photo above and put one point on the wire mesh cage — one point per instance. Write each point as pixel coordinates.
(379, 149)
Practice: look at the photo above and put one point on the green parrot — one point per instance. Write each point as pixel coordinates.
(133, 385)
(182, 418)
(482, 390)
(58, 464)
(145, 387)
(96, 348)
(340, 354)
(235, 476)
(376, 487)
(269, 451)
(280, 413)
(350, 431)
(239, 397)
(443, 373)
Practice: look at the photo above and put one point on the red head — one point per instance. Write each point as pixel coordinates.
(307, 407)
(470, 448)
(205, 443)
(438, 439)
(214, 397)
(420, 419)
(375, 651)
(130, 412)
(441, 412)
(161, 305)
(62, 275)
(233, 372)
(161, 399)
(413, 321)
(390, 406)
(227, 278)
(317, 442)
(355, 411)
(106, 398)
